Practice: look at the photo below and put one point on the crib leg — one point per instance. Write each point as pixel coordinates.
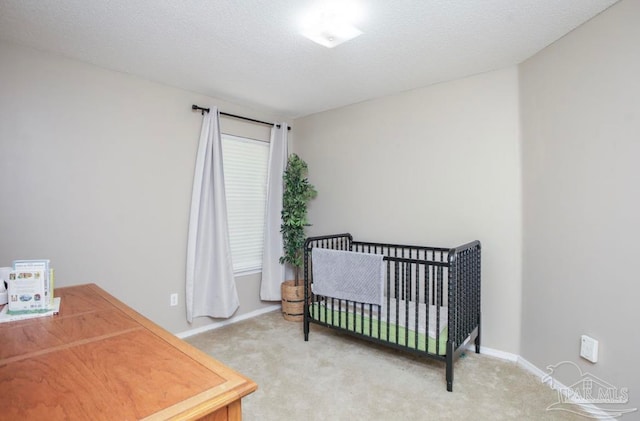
(449, 363)
(477, 341)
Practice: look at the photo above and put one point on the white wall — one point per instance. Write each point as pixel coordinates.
(437, 166)
(581, 131)
(96, 170)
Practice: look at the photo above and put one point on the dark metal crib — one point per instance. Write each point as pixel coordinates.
(431, 299)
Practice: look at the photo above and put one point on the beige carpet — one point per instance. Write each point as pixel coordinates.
(338, 377)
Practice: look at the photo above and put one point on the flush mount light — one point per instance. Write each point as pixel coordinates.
(331, 24)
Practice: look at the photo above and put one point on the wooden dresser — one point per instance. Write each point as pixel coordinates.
(99, 359)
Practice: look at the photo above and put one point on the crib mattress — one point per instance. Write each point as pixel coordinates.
(378, 328)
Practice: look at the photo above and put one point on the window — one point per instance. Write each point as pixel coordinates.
(245, 182)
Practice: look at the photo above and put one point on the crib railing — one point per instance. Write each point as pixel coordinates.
(418, 280)
(438, 276)
(464, 292)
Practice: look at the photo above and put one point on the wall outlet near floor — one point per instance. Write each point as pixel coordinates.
(173, 300)
(589, 348)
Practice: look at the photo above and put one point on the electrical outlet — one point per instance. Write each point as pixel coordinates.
(173, 300)
(589, 348)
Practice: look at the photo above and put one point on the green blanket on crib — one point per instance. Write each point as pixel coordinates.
(362, 324)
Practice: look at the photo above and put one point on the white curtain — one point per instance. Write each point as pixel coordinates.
(273, 272)
(210, 286)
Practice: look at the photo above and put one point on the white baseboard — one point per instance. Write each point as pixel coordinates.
(496, 353)
(593, 410)
(531, 368)
(229, 321)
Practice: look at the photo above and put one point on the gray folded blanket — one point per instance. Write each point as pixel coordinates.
(348, 275)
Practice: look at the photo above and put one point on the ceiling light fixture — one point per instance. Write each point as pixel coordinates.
(332, 24)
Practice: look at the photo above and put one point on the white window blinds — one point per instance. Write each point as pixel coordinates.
(245, 179)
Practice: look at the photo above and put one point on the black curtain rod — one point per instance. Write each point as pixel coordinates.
(206, 110)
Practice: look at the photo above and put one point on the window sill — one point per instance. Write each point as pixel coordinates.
(247, 272)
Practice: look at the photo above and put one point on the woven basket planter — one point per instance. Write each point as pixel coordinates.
(292, 301)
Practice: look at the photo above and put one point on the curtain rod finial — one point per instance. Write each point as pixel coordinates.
(202, 109)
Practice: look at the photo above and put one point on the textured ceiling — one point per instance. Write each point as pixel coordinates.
(249, 51)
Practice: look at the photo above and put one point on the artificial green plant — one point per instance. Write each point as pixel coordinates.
(296, 195)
